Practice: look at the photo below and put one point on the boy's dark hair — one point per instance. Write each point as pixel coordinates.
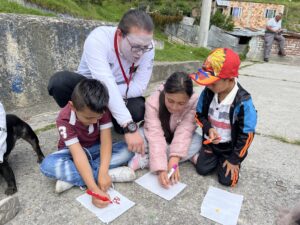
(90, 93)
(135, 18)
(177, 82)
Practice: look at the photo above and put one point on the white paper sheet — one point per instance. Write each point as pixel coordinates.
(221, 206)
(112, 211)
(151, 183)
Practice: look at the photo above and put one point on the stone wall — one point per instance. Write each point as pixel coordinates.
(186, 34)
(34, 47)
(217, 38)
(253, 14)
(183, 33)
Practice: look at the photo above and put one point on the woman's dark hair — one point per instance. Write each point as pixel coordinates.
(90, 93)
(135, 18)
(177, 82)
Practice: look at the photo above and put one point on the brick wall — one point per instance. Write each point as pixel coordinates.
(292, 46)
(256, 47)
(253, 14)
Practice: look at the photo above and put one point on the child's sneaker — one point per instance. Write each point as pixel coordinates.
(121, 174)
(139, 161)
(62, 186)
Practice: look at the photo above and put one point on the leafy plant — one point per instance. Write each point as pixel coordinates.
(161, 20)
(222, 21)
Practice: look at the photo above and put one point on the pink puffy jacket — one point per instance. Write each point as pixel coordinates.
(182, 123)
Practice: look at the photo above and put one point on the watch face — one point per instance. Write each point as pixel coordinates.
(132, 127)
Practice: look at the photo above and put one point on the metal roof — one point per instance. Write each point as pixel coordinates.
(246, 32)
(222, 2)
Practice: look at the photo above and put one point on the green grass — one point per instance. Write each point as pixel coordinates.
(280, 138)
(110, 10)
(12, 7)
(62, 6)
(177, 52)
(48, 127)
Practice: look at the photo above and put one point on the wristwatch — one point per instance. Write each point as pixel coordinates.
(131, 127)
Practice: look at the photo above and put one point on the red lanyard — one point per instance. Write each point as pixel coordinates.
(121, 66)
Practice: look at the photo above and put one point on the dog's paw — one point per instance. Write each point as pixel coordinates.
(11, 190)
(40, 159)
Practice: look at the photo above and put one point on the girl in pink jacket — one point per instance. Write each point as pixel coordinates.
(169, 129)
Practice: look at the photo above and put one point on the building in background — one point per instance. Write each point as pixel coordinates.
(250, 21)
(248, 14)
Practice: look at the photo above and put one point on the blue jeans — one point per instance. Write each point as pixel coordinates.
(59, 165)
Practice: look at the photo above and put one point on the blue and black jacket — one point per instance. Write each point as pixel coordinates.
(243, 120)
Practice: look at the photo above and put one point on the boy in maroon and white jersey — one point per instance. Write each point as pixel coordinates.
(85, 146)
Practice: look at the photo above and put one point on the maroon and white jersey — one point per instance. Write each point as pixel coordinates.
(72, 130)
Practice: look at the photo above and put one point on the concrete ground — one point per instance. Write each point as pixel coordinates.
(270, 177)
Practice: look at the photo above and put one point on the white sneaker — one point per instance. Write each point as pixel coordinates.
(62, 186)
(139, 162)
(122, 174)
(9, 207)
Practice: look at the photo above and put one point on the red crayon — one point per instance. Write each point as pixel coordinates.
(102, 198)
(208, 141)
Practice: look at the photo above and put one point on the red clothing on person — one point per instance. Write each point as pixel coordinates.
(72, 130)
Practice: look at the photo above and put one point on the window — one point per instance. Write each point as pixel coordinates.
(270, 13)
(236, 11)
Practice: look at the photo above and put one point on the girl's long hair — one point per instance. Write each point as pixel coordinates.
(176, 83)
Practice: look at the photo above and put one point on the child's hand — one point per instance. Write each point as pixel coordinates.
(174, 160)
(232, 169)
(99, 203)
(213, 135)
(104, 181)
(163, 178)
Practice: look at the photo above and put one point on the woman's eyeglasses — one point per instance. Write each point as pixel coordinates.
(138, 48)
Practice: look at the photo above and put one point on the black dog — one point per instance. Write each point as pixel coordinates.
(16, 129)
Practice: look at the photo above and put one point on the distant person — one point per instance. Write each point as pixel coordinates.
(274, 31)
(226, 114)
(122, 58)
(169, 128)
(85, 150)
